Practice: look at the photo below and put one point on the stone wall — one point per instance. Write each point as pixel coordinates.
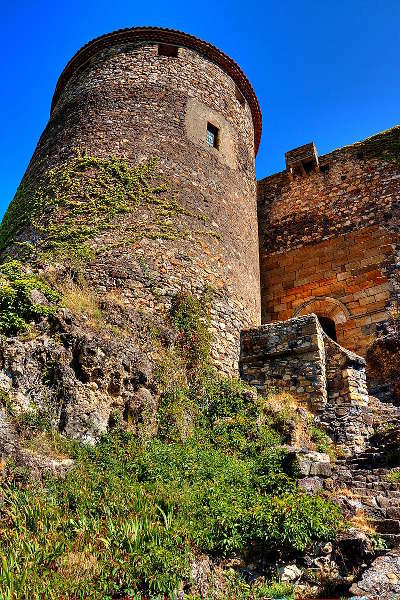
(346, 415)
(287, 356)
(119, 97)
(297, 357)
(329, 238)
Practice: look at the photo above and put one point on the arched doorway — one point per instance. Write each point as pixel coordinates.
(333, 316)
(329, 327)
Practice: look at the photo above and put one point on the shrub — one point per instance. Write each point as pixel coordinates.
(130, 515)
(17, 301)
(393, 476)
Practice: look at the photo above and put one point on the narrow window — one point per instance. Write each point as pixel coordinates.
(308, 166)
(212, 135)
(167, 50)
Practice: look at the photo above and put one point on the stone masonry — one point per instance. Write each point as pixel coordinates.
(298, 357)
(146, 92)
(312, 252)
(329, 239)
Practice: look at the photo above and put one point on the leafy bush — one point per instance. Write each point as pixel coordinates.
(17, 303)
(393, 476)
(131, 514)
(284, 591)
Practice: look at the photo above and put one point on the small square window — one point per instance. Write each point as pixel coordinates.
(167, 50)
(212, 135)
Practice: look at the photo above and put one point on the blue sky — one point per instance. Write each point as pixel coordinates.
(326, 70)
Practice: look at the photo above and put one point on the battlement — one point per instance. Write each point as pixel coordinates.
(302, 160)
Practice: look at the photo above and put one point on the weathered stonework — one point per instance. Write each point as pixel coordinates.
(326, 234)
(119, 97)
(298, 357)
(329, 237)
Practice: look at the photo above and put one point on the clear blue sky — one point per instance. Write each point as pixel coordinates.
(326, 70)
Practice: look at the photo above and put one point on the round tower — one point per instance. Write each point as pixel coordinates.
(150, 92)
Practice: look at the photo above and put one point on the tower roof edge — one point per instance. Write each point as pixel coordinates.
(167, 36)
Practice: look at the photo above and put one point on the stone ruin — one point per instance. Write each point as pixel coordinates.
(322, 237)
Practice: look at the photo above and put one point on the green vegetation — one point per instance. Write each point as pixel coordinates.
(239, 589)
(18, 306)
(384, 145)
(276, 590)
(135, 510)
(393, 476)
(322, 441)
(71, 204)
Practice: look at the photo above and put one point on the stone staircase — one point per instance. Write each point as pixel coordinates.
(364, 478)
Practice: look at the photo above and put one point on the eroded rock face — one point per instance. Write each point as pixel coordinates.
(382, 579)
(38, 463)
(80, 377)
(383, 359)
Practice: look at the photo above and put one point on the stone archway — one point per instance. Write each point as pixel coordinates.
(329, 308)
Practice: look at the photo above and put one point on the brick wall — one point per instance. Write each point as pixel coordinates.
(329, 238)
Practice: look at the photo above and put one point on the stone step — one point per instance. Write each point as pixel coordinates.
(387, 502)
(394, 489)
(393, 512)
(386, 526)
(361, 493)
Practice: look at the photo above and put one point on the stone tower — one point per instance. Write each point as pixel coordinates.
(145, 92)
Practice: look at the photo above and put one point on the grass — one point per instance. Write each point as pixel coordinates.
(81, 301)
(129, 518)
(362, 522)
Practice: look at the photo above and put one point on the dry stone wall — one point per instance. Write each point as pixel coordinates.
(286, 356)
(297, 357)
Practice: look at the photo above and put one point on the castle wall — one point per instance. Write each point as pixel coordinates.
(329, 239)
(287, 357)
(295, 356)
(126, 100)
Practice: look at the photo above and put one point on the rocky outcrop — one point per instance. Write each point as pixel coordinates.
(79, 377)
(381, 580)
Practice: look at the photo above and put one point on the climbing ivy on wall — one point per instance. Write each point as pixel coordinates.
(68, 206)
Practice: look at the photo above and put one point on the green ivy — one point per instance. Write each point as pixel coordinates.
(65, 208)
(17, 305)
(190, 315)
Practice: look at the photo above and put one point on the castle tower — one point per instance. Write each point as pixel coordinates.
(150, 92)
